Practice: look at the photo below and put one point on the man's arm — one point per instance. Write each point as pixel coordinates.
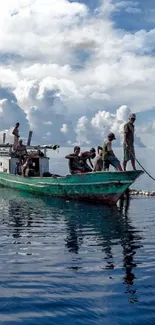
(112, 153)
(14, 132)
(16, 149)
(70, 156)
(90, 162)
(98, 165)
(125, 134)
(86, 155)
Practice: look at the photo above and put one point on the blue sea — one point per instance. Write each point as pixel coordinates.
(66, 262)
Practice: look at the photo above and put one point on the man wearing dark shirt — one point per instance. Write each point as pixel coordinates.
(78, 162)
(129, 151)
(74, 161)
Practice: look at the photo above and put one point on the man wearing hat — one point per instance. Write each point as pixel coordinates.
(129, 152)
(108, 156)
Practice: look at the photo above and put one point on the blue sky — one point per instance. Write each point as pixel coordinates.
(74, 70)
(143, 18)
(92, 5)
(138, 15)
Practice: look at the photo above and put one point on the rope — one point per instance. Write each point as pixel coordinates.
(131, 153)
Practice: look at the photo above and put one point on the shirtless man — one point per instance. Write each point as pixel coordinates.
(26, 166)
(129, 151)
(98, 166)
(21, 151)
(86, 157)
(74, 161)
(15, 133)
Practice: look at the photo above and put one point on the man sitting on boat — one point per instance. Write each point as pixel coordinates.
(98, 166)
(74, 161)
(27, 168)
(108, 155)
(21, 151)
(78, 162)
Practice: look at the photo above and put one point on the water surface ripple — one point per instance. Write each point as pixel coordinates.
(66, 262)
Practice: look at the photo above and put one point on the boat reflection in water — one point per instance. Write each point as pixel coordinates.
(88, 234)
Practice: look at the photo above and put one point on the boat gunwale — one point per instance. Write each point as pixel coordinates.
(91, 183)
(65, 184)
(138, 172)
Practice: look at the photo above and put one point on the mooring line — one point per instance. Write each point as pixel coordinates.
(128, 148)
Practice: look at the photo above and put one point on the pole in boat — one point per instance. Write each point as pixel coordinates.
(29, 138)
(4, 138)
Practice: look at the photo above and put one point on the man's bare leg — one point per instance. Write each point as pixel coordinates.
(119, 167)
(124, 165)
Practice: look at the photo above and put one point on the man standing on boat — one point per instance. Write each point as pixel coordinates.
(108, 155)
(15, 133)
(129, 151)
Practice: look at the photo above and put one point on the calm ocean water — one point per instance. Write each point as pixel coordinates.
(66, 262)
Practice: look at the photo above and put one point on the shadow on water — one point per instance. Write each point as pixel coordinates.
(101, 226)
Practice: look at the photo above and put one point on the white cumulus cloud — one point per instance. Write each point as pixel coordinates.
(96, 129)
(64, 71)
(64, 128)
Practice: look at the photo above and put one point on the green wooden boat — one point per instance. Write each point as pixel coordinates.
(105, 187)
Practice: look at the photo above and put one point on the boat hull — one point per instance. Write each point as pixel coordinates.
(101, 187)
